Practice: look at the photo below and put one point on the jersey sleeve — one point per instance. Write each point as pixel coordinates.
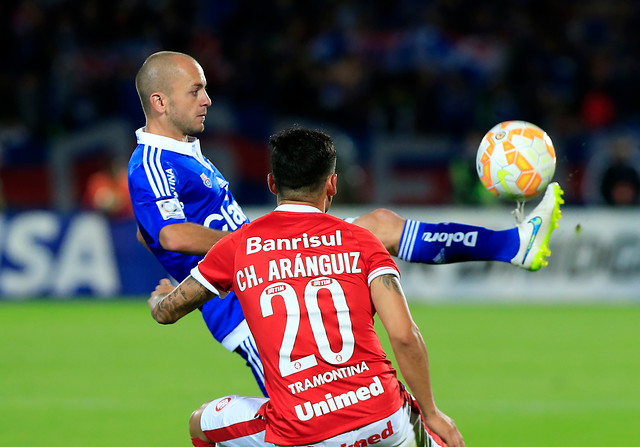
(215, 270)
(379, 261)
(155, 203)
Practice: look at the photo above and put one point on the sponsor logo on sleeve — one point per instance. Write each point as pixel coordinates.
(170, 209)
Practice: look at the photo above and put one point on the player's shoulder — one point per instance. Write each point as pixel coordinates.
(136, 160)
(360, 237)
(293, 221)
(356, 230)
(152, 159)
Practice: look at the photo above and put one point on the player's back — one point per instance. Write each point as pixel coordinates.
(303, 281)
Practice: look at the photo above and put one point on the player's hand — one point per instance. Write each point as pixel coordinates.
(444, 427)
(163, 288)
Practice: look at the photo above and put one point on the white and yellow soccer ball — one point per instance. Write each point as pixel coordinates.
(516, 160)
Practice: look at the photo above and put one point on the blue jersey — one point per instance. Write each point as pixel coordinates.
(170, 182)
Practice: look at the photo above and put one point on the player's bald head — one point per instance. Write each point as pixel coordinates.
(157, 74)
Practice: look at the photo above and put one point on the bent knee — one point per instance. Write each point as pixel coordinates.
(384, 216)
(195, 429)
(378, 219)
(386, 225)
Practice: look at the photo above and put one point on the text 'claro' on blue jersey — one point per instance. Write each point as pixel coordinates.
(171, 182)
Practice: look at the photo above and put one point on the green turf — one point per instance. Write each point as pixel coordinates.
(78, 373)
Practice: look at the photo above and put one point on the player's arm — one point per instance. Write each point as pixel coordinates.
(189, 238)
(411, 354)
(169, 304)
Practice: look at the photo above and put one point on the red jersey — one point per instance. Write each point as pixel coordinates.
(302, 277)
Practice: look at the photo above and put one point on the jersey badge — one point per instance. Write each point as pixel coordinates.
(170, 209)
(206, 180)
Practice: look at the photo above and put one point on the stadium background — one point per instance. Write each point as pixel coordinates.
(407, 88)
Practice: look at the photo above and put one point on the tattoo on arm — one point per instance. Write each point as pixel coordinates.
(188, 296)
(391, 283)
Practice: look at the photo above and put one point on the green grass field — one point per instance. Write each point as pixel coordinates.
(80, 373)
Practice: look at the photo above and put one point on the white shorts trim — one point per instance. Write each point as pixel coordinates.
(233, 411)
(403, 428)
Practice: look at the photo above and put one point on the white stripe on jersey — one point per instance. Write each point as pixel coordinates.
(248, 346)
(147, 170)
(161, 173)
(153, 169)
(408, 239)
(382, 271)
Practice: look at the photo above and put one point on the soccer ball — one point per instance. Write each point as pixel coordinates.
(516, 160)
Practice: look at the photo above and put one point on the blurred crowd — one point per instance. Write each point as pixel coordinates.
(451, 68)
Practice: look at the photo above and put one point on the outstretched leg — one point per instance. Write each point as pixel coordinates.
(526, 245)
(439, 243)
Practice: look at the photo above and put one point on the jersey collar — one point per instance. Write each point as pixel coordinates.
(291, 207)
(191, 147)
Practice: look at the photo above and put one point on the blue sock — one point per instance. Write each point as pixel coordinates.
(445, 243)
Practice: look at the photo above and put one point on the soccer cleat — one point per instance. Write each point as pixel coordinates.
(536, 230)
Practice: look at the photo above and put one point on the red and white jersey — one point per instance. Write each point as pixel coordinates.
(302, 277)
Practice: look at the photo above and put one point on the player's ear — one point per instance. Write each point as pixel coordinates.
(158, 102)
(272, 183)
(332, 184)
